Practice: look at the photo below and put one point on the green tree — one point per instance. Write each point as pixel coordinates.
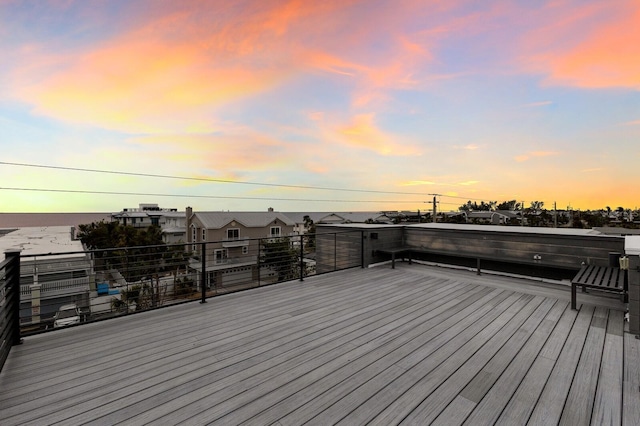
(278, 255)
(474, 206)
(310, 233)
(138, 253)
(508, 205)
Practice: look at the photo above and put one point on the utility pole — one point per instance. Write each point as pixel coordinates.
(435, 203)
(434, 208)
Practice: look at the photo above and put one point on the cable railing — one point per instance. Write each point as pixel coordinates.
(9, 304)
(66, 289)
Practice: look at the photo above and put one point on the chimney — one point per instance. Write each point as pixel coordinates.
(270, 210)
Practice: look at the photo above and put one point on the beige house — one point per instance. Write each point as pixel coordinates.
(233, 243)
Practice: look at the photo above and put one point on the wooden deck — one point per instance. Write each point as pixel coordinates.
(414, 345)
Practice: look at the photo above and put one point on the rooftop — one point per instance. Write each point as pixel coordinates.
(412, 345)
(39, 240)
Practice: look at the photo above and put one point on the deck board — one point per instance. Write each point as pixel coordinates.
(579, 405)
(631, 381)
(523, 401)
(607, 408)
(499, 392)
(412, 345)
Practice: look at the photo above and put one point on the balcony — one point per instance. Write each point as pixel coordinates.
(418, 344)
(236, 242)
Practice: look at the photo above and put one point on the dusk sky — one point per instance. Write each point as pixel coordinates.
(473, 100)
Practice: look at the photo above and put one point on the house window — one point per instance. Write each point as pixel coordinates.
(245, 250)
(275, 231)
(233, 234)
(204, 234)
(194, 237)
(220, 255)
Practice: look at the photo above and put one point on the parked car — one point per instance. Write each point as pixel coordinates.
(66, 315)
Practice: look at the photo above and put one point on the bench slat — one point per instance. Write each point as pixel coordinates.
(605, 278)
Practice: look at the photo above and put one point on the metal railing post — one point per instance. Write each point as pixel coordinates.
(362, 237)
(335, 252)
(203, 274)
(258, 261)
(13, 279)
(301, 257)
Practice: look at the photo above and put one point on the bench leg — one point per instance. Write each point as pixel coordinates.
(573, 296)
(393, 261)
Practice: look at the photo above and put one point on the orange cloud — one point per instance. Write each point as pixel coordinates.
(363, 132)
(533, 154)
(145, 86)
(417, 183)
(469, 147)
(241, 149)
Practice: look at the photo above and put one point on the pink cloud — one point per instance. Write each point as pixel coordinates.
(181, 62)
(595, 46)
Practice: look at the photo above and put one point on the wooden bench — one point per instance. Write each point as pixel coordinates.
(402, 252)
(602, 278)
(411, 253)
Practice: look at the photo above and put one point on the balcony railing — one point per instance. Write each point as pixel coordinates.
(115, 282)
(51, 288)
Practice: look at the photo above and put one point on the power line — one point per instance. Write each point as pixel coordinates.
(273, 185)
(72, 191)
(122, 173)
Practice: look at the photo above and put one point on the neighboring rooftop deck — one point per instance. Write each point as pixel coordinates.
(413, 345)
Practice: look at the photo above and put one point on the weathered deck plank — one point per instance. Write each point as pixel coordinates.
(579, 405)
(499, 392)
(549, 407)
(378, 346)
(607, 409)
(523, 401)
(424, 375)
(631, 384)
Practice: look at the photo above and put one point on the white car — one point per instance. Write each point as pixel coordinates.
(66, 315)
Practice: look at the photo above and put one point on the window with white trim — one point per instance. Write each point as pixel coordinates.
(204, 234)
(275, 231)
(245, 250)
(220, 255)
(233, 234)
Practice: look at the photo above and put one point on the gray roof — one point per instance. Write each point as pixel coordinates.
(217, 220)
(335, 217)
(41, 239)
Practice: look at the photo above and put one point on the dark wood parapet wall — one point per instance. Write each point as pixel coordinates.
(528, 248)
(553, 250)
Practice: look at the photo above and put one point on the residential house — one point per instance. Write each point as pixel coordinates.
(54, 270)
(234, 240)
(328, 218)
(170, 220)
